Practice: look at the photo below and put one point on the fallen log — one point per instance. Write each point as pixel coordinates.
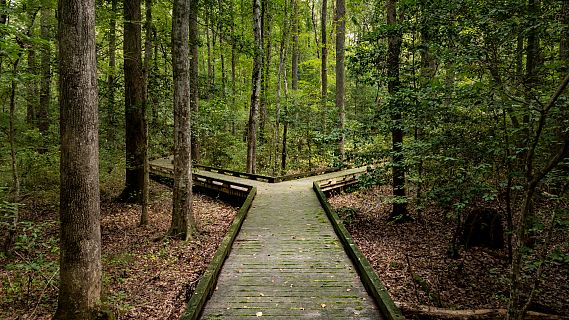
(428, 312)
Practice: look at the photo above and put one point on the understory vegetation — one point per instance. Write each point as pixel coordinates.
(459, 108)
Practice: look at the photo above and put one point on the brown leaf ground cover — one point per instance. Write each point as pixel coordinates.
(411, 259)
(145, 275)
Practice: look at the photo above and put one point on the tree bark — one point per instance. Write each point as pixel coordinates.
(183, 225)
(324, 67)
(340, 72)
(45, 89)
(80, 260)
(111, 77)
(135, 111)
(194, 79)
(399, 209)
(256, 87)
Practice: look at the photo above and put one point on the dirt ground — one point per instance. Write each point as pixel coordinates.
(411, 259)
(145, 275)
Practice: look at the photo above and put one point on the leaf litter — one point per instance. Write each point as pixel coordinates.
(145, 274)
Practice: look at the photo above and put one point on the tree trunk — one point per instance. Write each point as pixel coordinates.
(564, 43)
(340, 72)
(111, 77)
(281, 70)
(399, 210)
(183, 225)
(315, 27)
(32, 88)
(45, 89)
(80, 260)
(210, 74)
(266, 66)
(194, 76)
(256, 87)
(324, 67)
(135, 113)
(295, 53)
(10, 235)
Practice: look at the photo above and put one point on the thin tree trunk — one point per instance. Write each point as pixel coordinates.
(111, 77)
(183, 224)
(15, 192)
(80, 260)
(210, 74)
(281, 69)
(256, 87)
(340, 72)
(399, 211)
(194, 76)
(266, 21)
(324, 67)
(564, 42)
(315, 27)
(32, 88)
(146, 78)
(45, 89)
(135, 111)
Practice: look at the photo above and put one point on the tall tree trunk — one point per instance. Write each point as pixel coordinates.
(324, 67)
(340, 72)
(266, 20)
(256, 87)
(280, 72)
(45, 89)
(111, 77)
(233, 66)
(183, 224)
(80, 260)
(135, 111)
(147, 88)
(9, 237)
(393, 60)
(210, 73)
(315, 26)
(32, 88)
(294, 71)
(194, 73)
(532, 50)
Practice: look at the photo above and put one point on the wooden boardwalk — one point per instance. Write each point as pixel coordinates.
(287, 261)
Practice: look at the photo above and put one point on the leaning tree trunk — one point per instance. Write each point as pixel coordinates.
(340, 72)
(393, 59)
(183, 225)
(135, 113)
(80, 260)
(256, 81)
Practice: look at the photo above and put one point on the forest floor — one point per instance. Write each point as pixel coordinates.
(411, 259)
(145, 275)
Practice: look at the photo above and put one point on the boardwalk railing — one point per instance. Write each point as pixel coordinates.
(233, 189)
(371, 281)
